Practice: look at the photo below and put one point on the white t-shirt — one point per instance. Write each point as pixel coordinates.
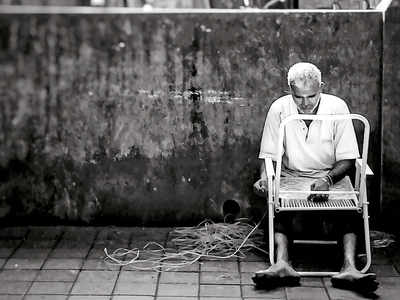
(309, 151)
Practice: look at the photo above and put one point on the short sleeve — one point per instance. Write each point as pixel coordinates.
(269, 140)
(345, 140)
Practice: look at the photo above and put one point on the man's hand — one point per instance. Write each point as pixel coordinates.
(260, 187)
(320, 185)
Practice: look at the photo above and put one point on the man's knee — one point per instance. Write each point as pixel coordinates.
(348, 223)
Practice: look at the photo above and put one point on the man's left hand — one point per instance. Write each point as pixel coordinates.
(319, 185)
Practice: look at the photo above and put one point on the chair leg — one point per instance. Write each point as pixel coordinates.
(366, 238)
(367, 248)
(271, 233)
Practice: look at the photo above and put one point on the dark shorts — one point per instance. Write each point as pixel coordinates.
(318, 225)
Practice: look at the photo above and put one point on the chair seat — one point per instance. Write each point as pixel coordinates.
(294, 191)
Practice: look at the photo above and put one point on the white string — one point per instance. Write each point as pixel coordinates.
(207, 240)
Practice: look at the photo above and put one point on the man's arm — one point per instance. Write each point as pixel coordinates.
(261, 185)
(338, 171)
(345, 143)
(268, 147)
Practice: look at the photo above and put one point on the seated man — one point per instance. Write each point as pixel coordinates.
(324, 150)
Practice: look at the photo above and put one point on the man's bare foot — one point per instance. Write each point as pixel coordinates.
(352, 279)
(279, 274)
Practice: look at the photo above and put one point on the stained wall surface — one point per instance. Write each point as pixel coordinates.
(391, 120)
(156, 118)
(338, 4)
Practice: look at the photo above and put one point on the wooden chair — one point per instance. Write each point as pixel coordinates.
(290, 193)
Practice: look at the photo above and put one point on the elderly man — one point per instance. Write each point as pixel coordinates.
(321, 150)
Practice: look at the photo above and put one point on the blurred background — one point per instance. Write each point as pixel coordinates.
(229, 4)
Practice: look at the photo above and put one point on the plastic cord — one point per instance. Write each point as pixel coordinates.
(190, 244)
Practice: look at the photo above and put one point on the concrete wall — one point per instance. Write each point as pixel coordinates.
(391, 120)
(47, 2)
(338, 4)
(156, 118)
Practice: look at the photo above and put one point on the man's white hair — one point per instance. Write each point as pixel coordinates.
(304, 73)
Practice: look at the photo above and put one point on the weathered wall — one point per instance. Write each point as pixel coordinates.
(338, 4)
(47, 2)
(391, 120)
(156, 118)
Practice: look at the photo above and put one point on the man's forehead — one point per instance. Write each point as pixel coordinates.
(305, 87)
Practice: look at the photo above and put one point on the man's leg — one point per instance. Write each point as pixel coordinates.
(281, 246)
(281, 268)
(280, 273)
(349, 248)
(349, 277)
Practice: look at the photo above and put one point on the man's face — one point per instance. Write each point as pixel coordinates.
(306, 97)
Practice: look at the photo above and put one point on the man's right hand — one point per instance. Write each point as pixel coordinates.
(319, 185)
(260, 187)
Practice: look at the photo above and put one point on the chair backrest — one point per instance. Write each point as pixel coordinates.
(329, 118)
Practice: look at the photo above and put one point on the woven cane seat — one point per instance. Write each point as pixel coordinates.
(294, 191)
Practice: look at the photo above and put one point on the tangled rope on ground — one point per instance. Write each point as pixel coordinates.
(190, 244)
(381, 239)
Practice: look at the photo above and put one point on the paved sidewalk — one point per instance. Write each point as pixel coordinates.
(67, 263)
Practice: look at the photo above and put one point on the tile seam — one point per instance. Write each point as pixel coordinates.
(84, 259)
(44, 261)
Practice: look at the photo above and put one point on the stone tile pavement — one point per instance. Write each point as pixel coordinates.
(68, 263)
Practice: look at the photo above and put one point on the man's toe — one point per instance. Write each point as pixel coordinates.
(264, 281)
(270, 280)
(367, 284)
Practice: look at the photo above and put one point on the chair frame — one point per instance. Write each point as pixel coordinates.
(362, 169)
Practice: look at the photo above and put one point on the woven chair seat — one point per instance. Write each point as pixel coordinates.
(294, 191)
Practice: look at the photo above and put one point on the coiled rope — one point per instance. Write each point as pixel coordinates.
(190, 244)
(381, 239)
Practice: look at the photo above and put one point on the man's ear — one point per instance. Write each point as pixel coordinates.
(322, 85)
